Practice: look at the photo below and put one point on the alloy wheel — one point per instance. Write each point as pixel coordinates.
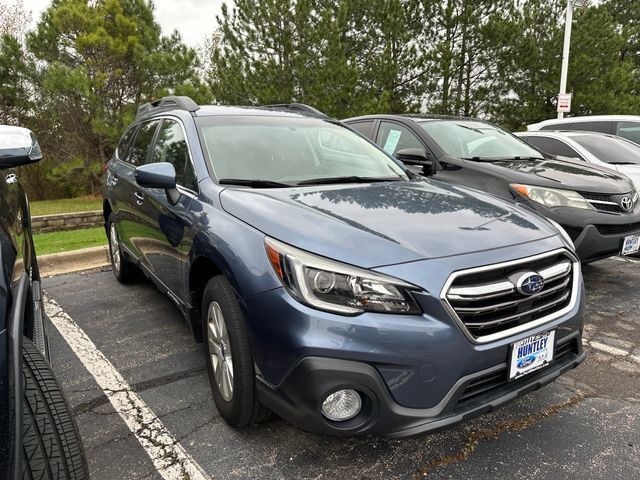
(114, 244)
(220, 351)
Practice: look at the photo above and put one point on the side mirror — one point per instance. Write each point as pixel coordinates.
(18, 146)
(418, 157)
(158, 175)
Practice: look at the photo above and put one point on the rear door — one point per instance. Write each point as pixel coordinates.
(165, 226)
(130, 199)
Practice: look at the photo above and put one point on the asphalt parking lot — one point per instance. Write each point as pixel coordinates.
(585, 425)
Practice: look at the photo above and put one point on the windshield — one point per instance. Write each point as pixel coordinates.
(290, 150)
(471, 139)
(615, 151)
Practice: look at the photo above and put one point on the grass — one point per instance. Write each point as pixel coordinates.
(66, 205)
(55, 242)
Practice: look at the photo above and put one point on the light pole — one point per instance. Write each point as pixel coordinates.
(571, 4)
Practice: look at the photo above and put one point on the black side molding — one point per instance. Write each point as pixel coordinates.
(14, 328)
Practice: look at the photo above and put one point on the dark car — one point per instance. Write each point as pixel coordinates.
(330, 284)
(38, 437)
(598, 207)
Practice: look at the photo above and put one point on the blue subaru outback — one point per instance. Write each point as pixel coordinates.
(329, 284)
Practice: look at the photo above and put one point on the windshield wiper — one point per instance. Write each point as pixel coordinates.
(253, 183)
(623, 163)
(501, 159)
(350, 179)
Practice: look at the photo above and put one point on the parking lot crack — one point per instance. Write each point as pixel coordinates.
(478, 436)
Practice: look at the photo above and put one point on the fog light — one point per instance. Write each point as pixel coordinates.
(342, 405)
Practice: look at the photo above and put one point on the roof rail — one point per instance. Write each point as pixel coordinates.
(167, 103)
(296, 107)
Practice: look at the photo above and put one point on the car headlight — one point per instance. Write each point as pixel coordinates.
(563, 233)
(336, 287)
(552, 197)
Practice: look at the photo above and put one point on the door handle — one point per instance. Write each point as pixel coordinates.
(140, 197)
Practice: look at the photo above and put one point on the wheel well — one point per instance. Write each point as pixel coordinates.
(202, 270)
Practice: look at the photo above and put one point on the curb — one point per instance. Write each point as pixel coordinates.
(73, 261)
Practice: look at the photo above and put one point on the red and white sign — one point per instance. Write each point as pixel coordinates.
(564, 102)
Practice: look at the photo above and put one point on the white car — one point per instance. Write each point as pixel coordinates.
(626, 126)
(598, 148)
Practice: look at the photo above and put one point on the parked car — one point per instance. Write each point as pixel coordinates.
(38, 436)
(330, 284)
(597, 207)
(596, 148)
(625, 126)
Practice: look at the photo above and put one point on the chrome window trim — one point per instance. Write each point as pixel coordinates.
(520, 328)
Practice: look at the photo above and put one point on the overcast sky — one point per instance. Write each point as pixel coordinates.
(194, 19)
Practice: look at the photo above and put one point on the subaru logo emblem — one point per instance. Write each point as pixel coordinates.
(627, 204)
(529, 283)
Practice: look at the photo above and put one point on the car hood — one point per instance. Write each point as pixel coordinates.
(385, 223)
(631, 171)
(568, 174)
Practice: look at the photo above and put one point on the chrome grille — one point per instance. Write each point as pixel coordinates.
(608, 203)
(488, 304)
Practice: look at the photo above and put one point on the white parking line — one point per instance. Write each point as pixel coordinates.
(167, 455)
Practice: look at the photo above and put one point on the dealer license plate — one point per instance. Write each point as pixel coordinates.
(531, 354)
(631, 245)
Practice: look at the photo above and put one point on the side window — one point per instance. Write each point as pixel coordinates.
(557, 126)
(137, 154)
(552, 146)
(365, 128)
(629, 130)
(602, 127)
(171, 146)
(125, 141)
(393, 137)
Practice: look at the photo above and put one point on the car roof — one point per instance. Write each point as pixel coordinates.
(564, 133)
(587, 118)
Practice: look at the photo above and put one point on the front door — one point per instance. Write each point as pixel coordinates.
(165, 246)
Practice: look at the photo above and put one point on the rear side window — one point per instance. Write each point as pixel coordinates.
(171, 146)
(137, 154)
(365, 128)
(629, 130)
(602, 127)
(557, 126)
(125, 141)
(552, 146)
(393, 137)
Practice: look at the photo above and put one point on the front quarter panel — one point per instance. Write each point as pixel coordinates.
(236, 248)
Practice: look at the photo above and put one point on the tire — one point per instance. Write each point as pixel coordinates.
(123, 269)
(240, 407)
(52, 449)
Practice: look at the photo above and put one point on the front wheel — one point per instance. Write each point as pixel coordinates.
(228, 356)
(123, 270)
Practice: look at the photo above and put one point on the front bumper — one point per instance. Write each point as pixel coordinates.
(473, 395)
(417, 372)
(596, 235)
(591, 245)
